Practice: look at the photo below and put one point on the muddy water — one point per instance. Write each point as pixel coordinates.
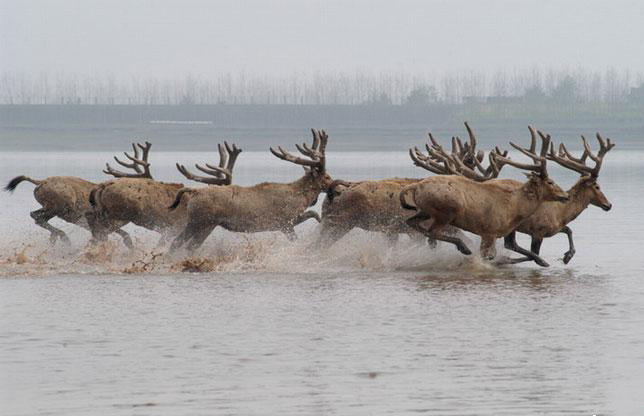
(270, 327)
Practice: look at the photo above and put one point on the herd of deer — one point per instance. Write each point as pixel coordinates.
(465, 195)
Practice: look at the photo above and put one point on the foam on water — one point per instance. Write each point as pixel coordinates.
(228, 252)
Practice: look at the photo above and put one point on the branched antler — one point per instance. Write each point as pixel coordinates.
(316, 153)
(565, 159)
(139, 163)
(539, 165)
(220, 175)
(463, 160)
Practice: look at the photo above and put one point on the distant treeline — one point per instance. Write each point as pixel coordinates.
(536, 86)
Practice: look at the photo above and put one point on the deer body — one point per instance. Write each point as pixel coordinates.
(142, 202)
(491, 209)
(65, 197)
(369, 205)
(263, 207)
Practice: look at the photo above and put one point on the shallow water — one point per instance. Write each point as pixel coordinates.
(273, 328)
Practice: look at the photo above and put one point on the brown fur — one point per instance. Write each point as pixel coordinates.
(553, 217)
(368, 205)
(489, 209)
(141, 201)
(65, 197)
(263, 207)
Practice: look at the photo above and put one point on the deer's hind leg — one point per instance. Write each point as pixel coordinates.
(127, 240)
(510, 242)
(433, 230)
(330, 233)
(289, 232)
(199, 236)
(41, 217)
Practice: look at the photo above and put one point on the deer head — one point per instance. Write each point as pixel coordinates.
(220, 175)
(315, 163)
(538, 180)
(139, 164)
(588, 181)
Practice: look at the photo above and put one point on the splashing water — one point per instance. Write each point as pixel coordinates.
(228, 252)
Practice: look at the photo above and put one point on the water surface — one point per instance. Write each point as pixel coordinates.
(362, 328)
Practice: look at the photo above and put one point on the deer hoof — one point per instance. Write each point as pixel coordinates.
(431, 243)
(541, 262)
(568, 256)
(464, 250)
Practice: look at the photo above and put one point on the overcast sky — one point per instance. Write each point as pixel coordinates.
(172, 38)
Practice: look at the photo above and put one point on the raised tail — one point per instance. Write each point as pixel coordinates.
(177, 199)
(15, 181)
(92, 196)
(331, 191)
(403, 197)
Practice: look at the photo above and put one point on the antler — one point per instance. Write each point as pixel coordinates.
(139, 163)
(565, 159)
(222, 174)
(464, 159)
(539, 165)
(433, 162)
(316, 153)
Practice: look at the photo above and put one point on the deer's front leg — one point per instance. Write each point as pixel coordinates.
(488, 249)
(571, 250)
(510, 243)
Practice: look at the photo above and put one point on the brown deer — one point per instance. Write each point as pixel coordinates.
(375, 206)
(263, 207)
(490, 209)
(139, 199)
(65, 197)
(552, 217)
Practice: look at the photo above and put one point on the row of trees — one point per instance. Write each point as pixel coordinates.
(362, 87)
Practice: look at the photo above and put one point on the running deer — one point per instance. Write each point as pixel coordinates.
(490, 209)
(65, 197)
(138, 198)
(374, 205)
(552, 217)
(264, 207)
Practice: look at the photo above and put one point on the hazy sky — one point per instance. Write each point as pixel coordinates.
(172, 38)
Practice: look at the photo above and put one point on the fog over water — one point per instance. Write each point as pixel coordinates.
(171, 38)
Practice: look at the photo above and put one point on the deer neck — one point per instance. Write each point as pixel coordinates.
(308, 187)
(579, 199)
(527, 199)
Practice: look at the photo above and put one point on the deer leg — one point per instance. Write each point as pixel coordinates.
(127, 241)
(488, 249)
(392, 238)
(41, 217)
(571, 251)
(200, 236)
(305, 216)
(181, 239)
(330, 233)
(290, 234)
(510, 242)
(432, 231)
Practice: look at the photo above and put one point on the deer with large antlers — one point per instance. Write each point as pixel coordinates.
(551, 217)
(258, 208)
(490, 209)
(139, 199)
(374, 205)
